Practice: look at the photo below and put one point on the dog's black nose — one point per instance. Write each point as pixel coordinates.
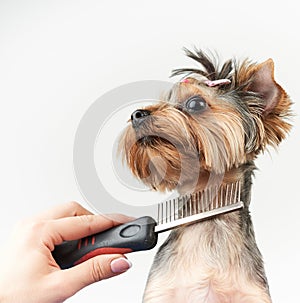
(139, 116)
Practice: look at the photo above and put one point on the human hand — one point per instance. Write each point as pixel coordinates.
(28, 272)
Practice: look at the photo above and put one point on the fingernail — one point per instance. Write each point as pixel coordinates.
(120, 265)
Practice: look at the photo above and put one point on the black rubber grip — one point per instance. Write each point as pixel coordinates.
(136, 235)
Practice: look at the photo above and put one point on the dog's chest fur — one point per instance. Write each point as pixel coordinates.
(209, 262)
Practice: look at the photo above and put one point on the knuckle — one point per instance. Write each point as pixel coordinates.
(73, 205)
(87, 221)
(97, 271)
(29, 229)
(36, 225)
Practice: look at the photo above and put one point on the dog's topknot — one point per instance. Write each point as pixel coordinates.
(211, 70)
(231, 69)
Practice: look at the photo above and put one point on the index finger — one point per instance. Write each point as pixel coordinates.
(73, 228)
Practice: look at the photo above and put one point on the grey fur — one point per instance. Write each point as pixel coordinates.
(251, 258)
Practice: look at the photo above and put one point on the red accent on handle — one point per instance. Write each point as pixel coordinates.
(102, 251)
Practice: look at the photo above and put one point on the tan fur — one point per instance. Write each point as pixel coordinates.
(216, 261)
(195, 275)
(220, 143)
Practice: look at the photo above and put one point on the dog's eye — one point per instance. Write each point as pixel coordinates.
(195, 104)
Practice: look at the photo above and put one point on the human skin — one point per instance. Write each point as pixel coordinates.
(29, 274)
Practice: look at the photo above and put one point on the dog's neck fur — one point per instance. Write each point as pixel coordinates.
(219, 261)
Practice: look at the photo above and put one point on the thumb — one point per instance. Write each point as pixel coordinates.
(93, 270)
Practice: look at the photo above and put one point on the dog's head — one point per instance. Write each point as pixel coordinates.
(212, 121)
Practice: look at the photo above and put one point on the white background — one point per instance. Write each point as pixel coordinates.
(57, 57)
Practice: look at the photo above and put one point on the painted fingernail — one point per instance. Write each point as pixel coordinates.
(120, 265)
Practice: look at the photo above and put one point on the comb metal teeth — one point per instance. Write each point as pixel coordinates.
(198, 206)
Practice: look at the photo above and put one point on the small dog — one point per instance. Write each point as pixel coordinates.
(209, 126)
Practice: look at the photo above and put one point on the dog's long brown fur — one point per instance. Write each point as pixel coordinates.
(178, 147)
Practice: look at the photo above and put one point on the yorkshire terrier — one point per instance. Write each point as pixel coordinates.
(214, 122)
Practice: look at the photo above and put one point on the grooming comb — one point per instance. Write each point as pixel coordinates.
(142, 233)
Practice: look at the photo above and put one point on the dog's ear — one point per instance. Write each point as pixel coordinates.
(276, 104)
(263, 83)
